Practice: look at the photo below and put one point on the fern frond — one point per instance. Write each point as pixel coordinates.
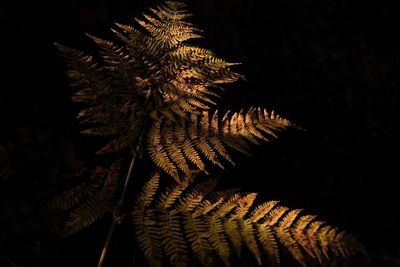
(188, 71)
(170, 196)
(109, 90)
(218, 239)
(84, 72)
(145, 223)
(154, 70)
(195, 230)
(146, 196)
(233, 234)
(172, 238)
(148, 235)
(157, 151)
(256, 123)
(286, 237)
(153, 83)
(192, 155)
(119, 65)
(249, 238)
(95, 205)
(179, 144)
(168, 27)
(269, 243)
(202, 224)
(74, 196)
(194, 197)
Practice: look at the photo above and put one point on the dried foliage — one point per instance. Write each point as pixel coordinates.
(153, 93)
(182, 221)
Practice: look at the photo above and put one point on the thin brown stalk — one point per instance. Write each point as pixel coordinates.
(121, 200)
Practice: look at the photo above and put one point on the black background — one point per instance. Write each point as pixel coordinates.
(330, 66)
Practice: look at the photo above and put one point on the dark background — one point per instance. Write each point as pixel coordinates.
(330, 66)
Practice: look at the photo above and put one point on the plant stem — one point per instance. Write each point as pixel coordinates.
(128, 176)
(114, 223)
(106, 245)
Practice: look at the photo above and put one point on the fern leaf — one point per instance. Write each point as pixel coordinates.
(115, 145)
(196, 233)
(215, 138)
(209, 205)
(172, 238)
(203, 223)
(168, 198)
(243, 205)
(207, 150)
(173, 144)
(97, 205)
(233, 233)
(158, 153)
(218, 240)
(176, 154)
(145, 197)
(284, 235)
(147, 234)
(195, 196)
(312, 231)
(262, 210)
(268, 240)
(249, 238)
(119, 64)
(157, 77)
(192, 155)
(72, 197)
(310, 245)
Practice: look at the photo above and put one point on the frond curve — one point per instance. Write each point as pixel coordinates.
(150, 68)
(181, 145)
(90, 200)
(217, 224)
